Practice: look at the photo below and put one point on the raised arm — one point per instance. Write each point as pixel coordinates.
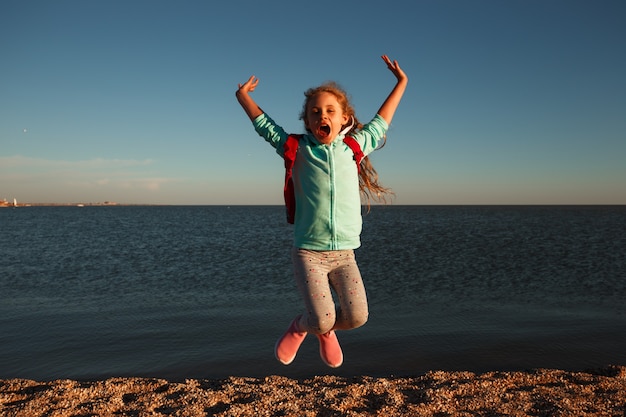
(390, 105)
(243, 96)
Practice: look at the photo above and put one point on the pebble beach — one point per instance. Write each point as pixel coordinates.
(540, 392)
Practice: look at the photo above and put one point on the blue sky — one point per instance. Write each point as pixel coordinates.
(509, 102)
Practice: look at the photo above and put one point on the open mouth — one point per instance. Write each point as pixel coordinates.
(324, 130)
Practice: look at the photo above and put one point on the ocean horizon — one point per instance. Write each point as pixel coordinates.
(204, 291)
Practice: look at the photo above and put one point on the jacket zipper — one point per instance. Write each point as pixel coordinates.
(333, 190)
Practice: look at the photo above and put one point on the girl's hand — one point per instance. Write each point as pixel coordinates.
(248, 86)
(394, 67)
(243, 97)
(390, 105)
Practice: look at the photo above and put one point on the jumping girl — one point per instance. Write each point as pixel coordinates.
(327, 208)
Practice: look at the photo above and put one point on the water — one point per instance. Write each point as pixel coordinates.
(204, 292)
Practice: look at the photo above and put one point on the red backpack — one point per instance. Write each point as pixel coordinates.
(291, 149)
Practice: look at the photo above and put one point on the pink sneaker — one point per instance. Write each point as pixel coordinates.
(330, 351)
(287, 346)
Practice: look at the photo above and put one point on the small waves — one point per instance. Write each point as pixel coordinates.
(205, 291)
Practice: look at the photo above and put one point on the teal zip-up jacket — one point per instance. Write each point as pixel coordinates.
(326, 183)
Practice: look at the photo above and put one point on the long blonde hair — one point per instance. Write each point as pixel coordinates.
(369, 186)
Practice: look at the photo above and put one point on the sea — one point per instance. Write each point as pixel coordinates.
(183, 292)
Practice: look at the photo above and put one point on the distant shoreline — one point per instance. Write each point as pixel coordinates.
(106, 203)
(6, 204)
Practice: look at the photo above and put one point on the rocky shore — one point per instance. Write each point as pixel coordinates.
(541, 392)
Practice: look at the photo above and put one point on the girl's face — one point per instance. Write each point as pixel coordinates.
(324, 117)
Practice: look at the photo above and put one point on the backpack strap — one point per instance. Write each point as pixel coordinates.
(356, 149)
(290, 149)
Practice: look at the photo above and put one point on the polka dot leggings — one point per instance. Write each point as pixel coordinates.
(316, 273)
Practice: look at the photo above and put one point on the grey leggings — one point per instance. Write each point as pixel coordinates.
(316, 272)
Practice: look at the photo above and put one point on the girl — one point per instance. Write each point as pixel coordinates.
(328, 208)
